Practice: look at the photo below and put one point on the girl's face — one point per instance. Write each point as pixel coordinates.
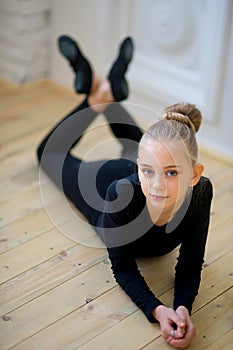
(166, 174)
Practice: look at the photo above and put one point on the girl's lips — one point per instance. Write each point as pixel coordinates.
(158, 198)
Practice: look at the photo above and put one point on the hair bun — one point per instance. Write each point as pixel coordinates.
(185, 113)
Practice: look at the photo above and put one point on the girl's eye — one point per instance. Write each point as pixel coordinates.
(148, 171)
(172, 173)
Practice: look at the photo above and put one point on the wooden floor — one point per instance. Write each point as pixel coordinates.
(57, 290)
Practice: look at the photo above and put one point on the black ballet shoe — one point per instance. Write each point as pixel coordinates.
(83, 79)
(116, 75)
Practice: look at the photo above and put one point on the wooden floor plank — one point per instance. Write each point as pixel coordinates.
(133, 338)
(19, 98)
(23, 229)
(67, 264)
(23, 205)
(22, 177)
(219, 241)
(14, 165)
(30, 200)
(24, 118)
(217, 323)
(223, 181)
(218, 265)
(21, 125)
(6, 87)
(21, 144)
(27, 227)
(84, 324)
(224, 342)
(222, 208)
(55, 304)
(43, 292)
(32, 253)
(216, 280)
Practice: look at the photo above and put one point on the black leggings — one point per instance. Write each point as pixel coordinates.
(85, 183)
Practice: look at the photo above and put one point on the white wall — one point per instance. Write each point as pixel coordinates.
(184, 51)
(88, 21)
(24, 39)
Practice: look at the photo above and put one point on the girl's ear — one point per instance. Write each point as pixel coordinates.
(197, 172)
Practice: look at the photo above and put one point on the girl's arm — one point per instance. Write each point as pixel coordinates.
(191, 257)
(121, 247)
(128, 276)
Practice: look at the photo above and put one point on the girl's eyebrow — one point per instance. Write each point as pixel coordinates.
(144, 164)
(172, 166)
(166, 167)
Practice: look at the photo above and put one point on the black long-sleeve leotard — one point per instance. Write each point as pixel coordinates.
(124, 248)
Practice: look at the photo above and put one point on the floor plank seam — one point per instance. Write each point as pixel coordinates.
(88, 267)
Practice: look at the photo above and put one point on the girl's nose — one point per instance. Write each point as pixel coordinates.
(158, 182)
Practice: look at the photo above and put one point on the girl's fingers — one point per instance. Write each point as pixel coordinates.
(179, 343)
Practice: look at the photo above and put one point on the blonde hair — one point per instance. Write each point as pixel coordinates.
(180, 123)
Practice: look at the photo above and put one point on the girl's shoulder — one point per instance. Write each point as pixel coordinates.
(125, 199)
(124, 185)
(127, 188)
(202, 194)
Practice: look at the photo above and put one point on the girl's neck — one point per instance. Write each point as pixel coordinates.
(160, 218)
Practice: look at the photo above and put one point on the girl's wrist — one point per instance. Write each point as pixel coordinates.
(182, 310)
(157, 311)
(182, 307)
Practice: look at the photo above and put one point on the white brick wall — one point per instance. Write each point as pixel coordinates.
(24, 39)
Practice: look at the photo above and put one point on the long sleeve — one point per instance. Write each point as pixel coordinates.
(191, 257)
(120, 237)
(131, 281)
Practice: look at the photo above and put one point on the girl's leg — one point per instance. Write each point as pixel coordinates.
(72, 175)
(68, 131)
(124, 128)
(55, 158)
(83, 183)
(54, 151)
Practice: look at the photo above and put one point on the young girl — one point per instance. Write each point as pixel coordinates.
(146, 203)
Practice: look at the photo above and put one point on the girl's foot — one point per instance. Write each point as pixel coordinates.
(116, 76)
(69, 48)
(101, 97)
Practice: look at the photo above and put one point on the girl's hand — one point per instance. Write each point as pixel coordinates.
(173, 327)
(189, 328)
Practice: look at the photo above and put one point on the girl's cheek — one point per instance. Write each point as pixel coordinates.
(145, 187)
